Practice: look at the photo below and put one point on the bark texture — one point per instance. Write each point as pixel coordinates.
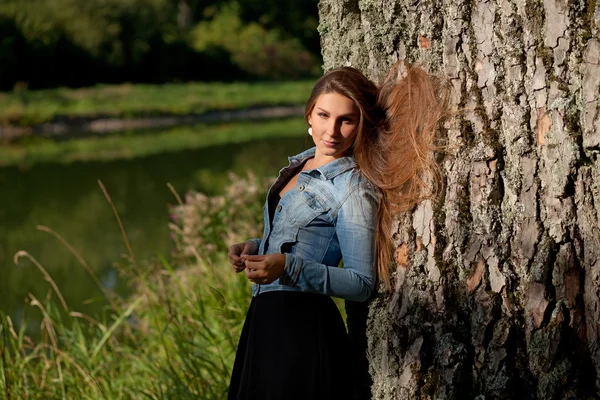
(500, 295)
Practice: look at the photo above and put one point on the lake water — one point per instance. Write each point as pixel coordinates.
(67, 199)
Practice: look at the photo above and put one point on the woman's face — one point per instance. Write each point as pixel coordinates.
(334, 121)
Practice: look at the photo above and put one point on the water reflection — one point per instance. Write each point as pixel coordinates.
(67, 199)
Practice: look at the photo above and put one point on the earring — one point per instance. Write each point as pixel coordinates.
(310, 130)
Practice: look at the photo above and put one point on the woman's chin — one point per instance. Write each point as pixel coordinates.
(331, 151)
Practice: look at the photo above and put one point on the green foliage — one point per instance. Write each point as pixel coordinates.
(175, 337)
(110, 32)
(260, 52)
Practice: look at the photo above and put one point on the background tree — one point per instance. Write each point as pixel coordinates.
(83, 42)
(497, 286)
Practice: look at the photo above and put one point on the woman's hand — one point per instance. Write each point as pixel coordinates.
(264, 269)
(238, 252)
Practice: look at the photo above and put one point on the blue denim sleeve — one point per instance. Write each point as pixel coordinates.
(355, 229)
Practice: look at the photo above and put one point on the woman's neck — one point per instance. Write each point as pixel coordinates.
(319, 160)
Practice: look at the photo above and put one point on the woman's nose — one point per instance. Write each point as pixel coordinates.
(333, 127)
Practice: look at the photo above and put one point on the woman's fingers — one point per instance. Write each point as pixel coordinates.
(234, 257)
(264, 268)
(238, 268)
(254, 258)
(249, 248)
(234, 252)
(255, 270)
(258, 272)
(236, 261)
(237, 264)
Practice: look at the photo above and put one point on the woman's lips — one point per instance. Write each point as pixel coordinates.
(329, 144)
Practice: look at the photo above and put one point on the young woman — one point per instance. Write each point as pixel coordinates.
(332, 203)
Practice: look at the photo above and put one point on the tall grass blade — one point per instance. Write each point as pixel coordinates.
(125, 239)
(81, 261)
(114, 326)
(47, 277)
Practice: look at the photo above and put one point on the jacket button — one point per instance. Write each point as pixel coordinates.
(301, 187)
(279, 208)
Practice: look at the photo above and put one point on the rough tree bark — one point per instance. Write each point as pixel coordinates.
(497, 286)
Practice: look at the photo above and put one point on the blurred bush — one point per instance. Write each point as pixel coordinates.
(203, 226)
(259, 52)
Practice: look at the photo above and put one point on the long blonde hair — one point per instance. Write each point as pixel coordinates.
(395, 140)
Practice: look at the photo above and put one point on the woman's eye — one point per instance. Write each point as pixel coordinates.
(322, 115)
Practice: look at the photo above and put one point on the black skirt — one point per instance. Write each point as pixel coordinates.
(293, 346)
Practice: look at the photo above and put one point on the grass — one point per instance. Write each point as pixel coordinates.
(174, 338)
(26, 108)
(127, 146)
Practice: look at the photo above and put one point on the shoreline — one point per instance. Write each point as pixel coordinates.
(82, 127)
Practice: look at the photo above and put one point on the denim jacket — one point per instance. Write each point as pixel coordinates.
(330, 215)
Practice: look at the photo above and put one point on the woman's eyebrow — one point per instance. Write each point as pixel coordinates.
(352, 114)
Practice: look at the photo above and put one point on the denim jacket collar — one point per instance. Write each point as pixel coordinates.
(329, 170)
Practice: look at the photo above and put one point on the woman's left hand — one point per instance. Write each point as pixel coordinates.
(264, 269)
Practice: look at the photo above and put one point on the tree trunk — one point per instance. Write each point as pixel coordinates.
(499, 295)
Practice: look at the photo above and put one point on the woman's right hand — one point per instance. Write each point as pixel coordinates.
(238, 251)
